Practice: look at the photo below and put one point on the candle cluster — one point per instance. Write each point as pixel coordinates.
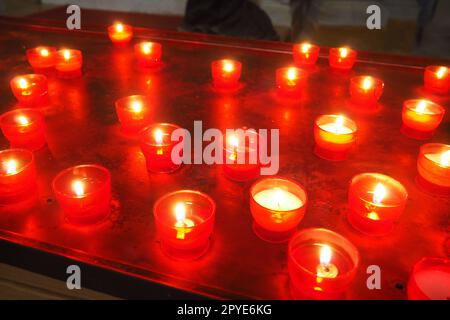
(321, 263)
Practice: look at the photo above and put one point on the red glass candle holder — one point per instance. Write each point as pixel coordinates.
(84, 193)
(69, 63)
(334, 137)
(305, 54)
(322, 264)
(17, 176)
(437, 79)
(30, 90)
(148, 54)
(433, 166)
(277, 206)
(185, 222)
(290, 81)
(157, 146)
(120, 34)
(241, 161)
(226, 74)
(376, 202)
(366, 90)
(430, 280)
(342, 58)
(24, 128)
(134, 113)
(41, 58)
(421, 118)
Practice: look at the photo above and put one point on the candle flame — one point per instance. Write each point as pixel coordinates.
(421, 106)
(339, 122)
(445, 158)
(22, 120)
(379, 193)
(44, 52)
(119, 27)
(291, 74)
(147, 47)
(233, 141)
(78, 187)
(158, 135)
(306, 47)
(10, 166)
(367, 83)
(441, 72)
(136, 106)
(180, 213)
(325, 255)
(228, 66)
(343, 52)
(66, 54)
(23, 83)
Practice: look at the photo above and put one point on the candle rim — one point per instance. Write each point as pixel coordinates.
(313, 47)
(360, 78)
(168, 196)
(245, 147)
(424, 149)
(126, 27)
(219, 63)
(105, 183)
(411, 105)
(36, 50)
(340, 241)
(31, 77)
(336, 51)
(151, 127)
(347, 121)
(434, 68)
(23, 167)
(302, 189)
(36, 115)
(124, 102)
(73, 53)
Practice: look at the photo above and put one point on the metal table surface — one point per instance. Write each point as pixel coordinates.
(82, 128)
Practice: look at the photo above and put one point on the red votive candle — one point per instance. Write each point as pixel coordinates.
(69, 63)
(437, 79)
(290, 81)
(30, 89)
(433, 165)
(42, 58)
(366, 90)
(430, 280)
(305, 54)
(134, 113)
(334, 136)
(17, 176)
(277, 206)
(342, 58)
(241, 162)
(24, 128)
(421, 118)
(157, 146)
(322, 264)
(226, 73)
(84, 193)
(120, 34)
(376, 202)
(185, 221)
(148, 54)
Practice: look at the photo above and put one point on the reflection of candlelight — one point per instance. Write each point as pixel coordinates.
(10, 166)
(326, 269)
(78, 188)
(182, 225)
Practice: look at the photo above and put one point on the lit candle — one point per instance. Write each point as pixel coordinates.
(334, 136)
(185, 222)
(376, 202)
(226, 73)
(157, 146)
(134, 113)
(430, 280)
(17, 176)
(366, 90)
(120, 34)
(433, 166)
(305, 54)
(24, 128)
(69, 63)
(30, 89)
(84, 193)
(241, 161)
(277, 206)
(41, 58)
(437, 79)
(342, 58)
(290, 81)
(148, 54)
(322, 264)
(421, 118)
